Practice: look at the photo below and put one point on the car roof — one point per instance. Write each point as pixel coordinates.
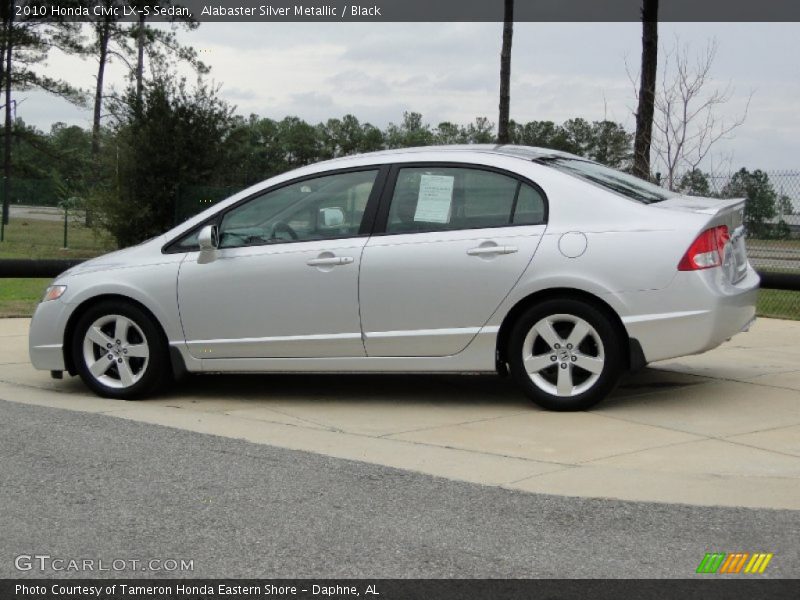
(458, 152)
(527, 153)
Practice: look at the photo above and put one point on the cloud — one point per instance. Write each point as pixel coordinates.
(411, 44)
(354, 81)
(449, 71)
(235, 94)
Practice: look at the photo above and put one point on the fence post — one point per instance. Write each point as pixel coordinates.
(176, 203)
(4, 217)
(66, 219)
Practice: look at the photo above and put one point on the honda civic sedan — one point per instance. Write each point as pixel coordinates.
(525, 261)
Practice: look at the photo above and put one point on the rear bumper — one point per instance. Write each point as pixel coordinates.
(710, 312)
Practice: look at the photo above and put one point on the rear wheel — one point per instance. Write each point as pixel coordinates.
(565, 354)
(119, 351)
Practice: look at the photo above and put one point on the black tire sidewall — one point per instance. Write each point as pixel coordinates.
(612, 345)
(156, 370)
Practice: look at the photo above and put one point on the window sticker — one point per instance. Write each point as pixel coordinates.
(435, 198)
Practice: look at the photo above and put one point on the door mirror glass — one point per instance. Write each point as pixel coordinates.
(331, 217)
(208, 239)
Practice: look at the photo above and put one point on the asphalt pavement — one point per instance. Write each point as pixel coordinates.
(77, 485)
(719, 429)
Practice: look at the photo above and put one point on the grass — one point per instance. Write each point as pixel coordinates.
(781, 304)
(30, 238)
(18, 297)
(33, 238)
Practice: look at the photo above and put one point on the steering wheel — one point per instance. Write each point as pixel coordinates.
(281, 227)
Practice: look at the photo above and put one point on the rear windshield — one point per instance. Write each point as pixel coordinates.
(611, 179)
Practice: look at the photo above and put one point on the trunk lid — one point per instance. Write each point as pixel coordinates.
(729, 212)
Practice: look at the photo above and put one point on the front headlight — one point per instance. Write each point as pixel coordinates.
(54, 292)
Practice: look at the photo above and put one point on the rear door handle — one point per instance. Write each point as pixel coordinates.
(484, 250)
(330, 261)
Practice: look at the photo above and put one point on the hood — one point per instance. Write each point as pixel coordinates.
(134, 255)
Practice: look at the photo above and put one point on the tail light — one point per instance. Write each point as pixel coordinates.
(707, 250)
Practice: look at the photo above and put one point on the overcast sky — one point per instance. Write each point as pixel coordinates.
(449, 71)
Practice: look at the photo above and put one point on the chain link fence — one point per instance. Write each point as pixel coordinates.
(33, 192)
(773, 243)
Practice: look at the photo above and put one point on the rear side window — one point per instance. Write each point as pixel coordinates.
(530, 207)
(448, 198)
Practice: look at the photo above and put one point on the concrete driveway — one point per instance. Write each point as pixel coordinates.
(722, 428)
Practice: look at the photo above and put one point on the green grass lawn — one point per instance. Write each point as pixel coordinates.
(31, 238)
(18, 297)
(44, 239)
(782, 304)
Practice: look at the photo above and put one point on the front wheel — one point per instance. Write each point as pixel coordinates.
(565, 354)
(119, 351)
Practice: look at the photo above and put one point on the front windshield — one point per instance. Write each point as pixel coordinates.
(611, 179)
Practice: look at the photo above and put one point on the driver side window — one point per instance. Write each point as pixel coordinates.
(325, 207)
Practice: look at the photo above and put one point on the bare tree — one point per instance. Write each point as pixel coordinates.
(687, 123)
(647, 90)
(503, 136)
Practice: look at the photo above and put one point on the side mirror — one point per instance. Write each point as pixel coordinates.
(331, 217)
(208, 238)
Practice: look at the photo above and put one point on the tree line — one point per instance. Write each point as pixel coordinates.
(177, 137)
(27, 39)
(159, 134)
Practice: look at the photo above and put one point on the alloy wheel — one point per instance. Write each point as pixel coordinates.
(115, 351)
(563, 355)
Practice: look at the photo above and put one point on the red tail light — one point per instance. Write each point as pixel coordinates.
(707, 250)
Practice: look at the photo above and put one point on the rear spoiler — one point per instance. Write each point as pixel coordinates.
(706, 206)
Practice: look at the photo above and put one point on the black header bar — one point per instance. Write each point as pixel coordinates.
(295, 11)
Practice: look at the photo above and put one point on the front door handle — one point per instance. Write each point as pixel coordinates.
(484, 250)
(330, 261)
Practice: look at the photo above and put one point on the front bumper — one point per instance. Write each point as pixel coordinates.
(46, 335)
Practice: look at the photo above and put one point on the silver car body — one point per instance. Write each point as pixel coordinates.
(420, 302)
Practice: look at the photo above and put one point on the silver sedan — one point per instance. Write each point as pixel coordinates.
(524, 261)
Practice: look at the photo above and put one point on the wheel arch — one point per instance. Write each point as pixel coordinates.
(80, 310)
(632, 354)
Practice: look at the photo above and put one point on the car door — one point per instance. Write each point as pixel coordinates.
(284, 280)
(454, 241)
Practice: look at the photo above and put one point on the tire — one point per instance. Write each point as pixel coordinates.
(119, 351)
(573, 363)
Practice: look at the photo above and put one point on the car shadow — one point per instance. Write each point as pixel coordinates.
(470, 390)
(639, 387)
(400, 388)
